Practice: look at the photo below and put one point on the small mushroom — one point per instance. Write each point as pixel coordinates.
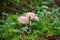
(23, 20)
(30, 15)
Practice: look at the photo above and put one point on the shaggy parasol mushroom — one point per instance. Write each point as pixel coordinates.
(27, 18)
(23, 20)
(30, 15)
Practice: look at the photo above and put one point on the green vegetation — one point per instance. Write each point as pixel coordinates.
(49, 20)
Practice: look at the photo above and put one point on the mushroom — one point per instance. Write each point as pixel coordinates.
(30, 15)
(23, 20)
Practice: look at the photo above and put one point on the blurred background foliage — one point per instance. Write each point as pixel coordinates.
(48, 12)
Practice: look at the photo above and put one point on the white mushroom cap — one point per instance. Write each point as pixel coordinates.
(30, 15)
(23, 20)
